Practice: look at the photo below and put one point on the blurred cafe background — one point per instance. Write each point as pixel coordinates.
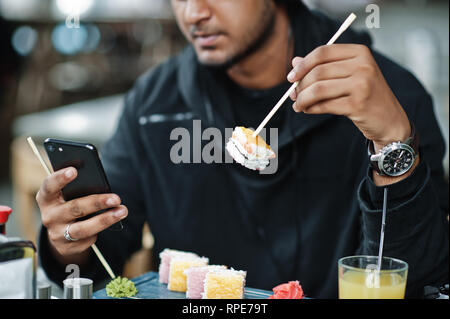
(65, 77)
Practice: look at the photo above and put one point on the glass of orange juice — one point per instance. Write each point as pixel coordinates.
(359, 278)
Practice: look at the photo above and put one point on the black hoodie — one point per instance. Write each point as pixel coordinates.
(319, 206)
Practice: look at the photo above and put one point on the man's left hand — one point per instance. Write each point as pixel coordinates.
(344, 79)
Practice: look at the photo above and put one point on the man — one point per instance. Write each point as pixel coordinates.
(322, 203)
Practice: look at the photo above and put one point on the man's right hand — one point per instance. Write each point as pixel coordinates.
(56, 214)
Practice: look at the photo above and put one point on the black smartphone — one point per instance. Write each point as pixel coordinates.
(91, 178)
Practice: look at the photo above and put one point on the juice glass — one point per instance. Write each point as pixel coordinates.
(360, 279)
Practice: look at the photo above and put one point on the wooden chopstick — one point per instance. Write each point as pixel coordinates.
(341, 30)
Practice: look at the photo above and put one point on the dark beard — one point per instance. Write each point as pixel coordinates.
(257, 43)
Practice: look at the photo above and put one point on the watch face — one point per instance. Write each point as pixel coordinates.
(398, 160)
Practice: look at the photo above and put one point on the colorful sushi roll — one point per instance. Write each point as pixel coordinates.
(196, 280)
(166, 256)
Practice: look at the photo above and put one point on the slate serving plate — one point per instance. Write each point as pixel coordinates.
(149, 287)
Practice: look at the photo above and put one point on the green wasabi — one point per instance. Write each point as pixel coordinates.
(121, 287)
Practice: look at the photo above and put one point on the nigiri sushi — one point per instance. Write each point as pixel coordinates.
(251, 152)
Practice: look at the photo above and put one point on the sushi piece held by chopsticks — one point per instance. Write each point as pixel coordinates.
(251, 152)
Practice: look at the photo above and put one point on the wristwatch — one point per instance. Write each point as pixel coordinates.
(397, 158)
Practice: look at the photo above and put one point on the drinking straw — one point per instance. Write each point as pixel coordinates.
(383, 226)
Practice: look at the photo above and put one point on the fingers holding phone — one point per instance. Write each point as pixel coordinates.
(57, 213)
(91, 227)
(76, 201)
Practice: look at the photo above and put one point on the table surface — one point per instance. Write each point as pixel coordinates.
(149, 287)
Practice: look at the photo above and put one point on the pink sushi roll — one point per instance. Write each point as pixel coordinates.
(166, 256)
(195, 280)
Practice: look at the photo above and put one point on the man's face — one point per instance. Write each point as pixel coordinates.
(224, 31)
